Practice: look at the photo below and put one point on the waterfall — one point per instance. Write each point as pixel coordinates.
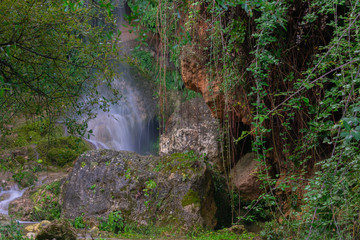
(8, 196)
(129, 124)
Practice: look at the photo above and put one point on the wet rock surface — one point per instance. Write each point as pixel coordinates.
(173, 190)
(192, 127)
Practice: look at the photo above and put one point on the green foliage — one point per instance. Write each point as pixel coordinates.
(145, 12)
(54, 188)
(28, 146)
(46, 202)
(251, 211)
(51, 54)
(331, 198)
(25, 178)
(79, 222)
(11, 232)
(145, 61)
(62, 150)
(222, 234)
(61, 157)
(93, 188)
(28, 133)
(300, 94)
(50, 210)
(150, 185)
(115, 223)
(173, 81)
(166, 69)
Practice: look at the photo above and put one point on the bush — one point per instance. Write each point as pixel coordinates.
(115, 223)
(61, 156)
(48, 211)
(62, 150)
(25, 178)
(79, 222)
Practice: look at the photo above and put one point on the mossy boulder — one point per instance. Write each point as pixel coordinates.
(62, 150)
(59, 230)
(61, 156)
(192, 128)
(172, 190)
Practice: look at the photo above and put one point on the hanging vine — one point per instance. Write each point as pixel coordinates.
(283, 77)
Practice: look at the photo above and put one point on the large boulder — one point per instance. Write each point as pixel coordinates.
(192, 128)
(175, 190)
(244, 177)
(59, 230)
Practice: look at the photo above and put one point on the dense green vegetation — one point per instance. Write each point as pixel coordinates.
(51, 53)
(292, 67)
(31, 145)
(11, 232)
(287, 71)
(47, 202)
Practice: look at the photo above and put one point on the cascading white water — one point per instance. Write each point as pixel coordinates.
(121, 127)
(128, 125)
(9, 196)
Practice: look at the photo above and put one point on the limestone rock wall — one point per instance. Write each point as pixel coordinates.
(192, 128)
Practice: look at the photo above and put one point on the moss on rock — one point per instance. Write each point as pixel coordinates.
(60, 230)
(61, 156)
(191, 197)
(62, 150)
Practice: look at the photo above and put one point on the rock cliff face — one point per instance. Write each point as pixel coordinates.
(193, 62)
(175, 190)
(192, 128)
(193, 72)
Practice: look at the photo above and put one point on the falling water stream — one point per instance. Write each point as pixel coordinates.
(130, 124)
(8, 196)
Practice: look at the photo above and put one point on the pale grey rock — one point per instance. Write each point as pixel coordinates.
(192, 128)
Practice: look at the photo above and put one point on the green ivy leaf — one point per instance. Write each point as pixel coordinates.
(346, 125)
